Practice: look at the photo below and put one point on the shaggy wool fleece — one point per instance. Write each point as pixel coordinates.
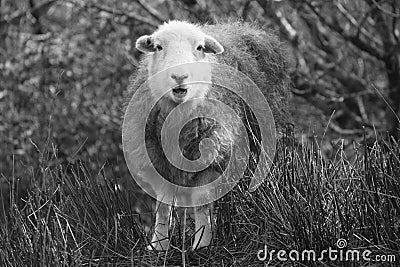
(253, 51)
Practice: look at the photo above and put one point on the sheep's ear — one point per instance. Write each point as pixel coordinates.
(145, 44)
(212, 46)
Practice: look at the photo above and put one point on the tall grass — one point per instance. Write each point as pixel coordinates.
(75, 217)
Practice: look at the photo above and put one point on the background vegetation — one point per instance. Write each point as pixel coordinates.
(64, 65)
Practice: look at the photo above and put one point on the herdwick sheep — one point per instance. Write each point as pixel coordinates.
(243, 46)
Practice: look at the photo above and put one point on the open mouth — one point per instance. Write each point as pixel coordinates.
(179, 91)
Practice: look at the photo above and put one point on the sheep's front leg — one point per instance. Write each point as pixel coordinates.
(203, 213)
(160, 239)
(203, 230)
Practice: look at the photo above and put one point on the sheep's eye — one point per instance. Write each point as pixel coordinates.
(158, 47)
(200, 48)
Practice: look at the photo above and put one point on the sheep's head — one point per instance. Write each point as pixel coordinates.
(168, 49)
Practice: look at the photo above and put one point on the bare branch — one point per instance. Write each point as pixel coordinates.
(310, 92)
(246, 9)
(16, 16)
(290, 31)
(360, 28)
(130, 15)
(387, 12)
(363, 20)
(368, 48)
(280, 19)
(202, 14)
(361, 108)
(395, 31)
(153, 12)
(381, 27)
(342, 131)
(169, 8)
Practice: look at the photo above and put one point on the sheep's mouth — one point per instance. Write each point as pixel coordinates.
(179, 91)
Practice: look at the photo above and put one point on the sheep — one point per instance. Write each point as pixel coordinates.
(243, 46)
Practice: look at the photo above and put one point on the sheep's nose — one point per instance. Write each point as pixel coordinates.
(179, 78)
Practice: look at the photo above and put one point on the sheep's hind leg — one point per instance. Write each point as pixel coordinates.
(160, 239)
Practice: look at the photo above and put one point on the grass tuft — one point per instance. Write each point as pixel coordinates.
(71, 216)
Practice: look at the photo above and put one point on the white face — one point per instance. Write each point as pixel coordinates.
(179, 60)
(179, 64)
